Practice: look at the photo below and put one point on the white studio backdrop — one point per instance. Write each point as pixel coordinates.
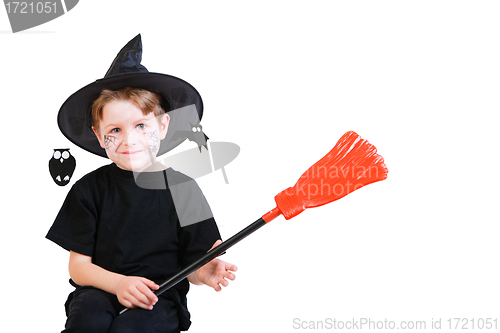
(284, 80)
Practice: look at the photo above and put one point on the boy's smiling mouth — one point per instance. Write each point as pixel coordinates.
(128, 152)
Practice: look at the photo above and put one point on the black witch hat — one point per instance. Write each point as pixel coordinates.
(181, 100)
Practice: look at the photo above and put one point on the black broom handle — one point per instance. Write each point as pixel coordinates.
(215, 252)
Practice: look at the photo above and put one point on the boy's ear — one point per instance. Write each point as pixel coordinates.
(164, 122)
(98, 136)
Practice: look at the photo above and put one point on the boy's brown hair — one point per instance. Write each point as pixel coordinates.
(145, 100)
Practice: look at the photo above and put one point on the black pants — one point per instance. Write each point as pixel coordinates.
(92, 310)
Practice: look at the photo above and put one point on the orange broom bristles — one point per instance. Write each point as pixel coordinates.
(350, 165)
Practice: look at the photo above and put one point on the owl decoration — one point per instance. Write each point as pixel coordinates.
(61, 166)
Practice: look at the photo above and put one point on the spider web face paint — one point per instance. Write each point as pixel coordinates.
(152, 140)
(109, 141)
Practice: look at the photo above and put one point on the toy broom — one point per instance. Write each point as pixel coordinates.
(351, 164)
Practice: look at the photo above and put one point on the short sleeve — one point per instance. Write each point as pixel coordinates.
(75, 226)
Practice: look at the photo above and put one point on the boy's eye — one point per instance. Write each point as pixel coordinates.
(141, 126)
(115, 130)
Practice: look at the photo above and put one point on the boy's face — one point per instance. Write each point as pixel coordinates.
(130, 138)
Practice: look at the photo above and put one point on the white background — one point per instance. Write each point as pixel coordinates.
(284, 80)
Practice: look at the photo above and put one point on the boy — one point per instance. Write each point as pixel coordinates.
(123, 237)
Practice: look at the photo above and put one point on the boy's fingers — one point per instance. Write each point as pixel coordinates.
(137, 303)
(147, 295)
(138, 293)
(126, 303)
(150, 284)
(138, 298)
(217, 243)
(141, 296)
(145, 287)
(231, 267)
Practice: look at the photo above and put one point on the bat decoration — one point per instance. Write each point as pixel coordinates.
(188, 126)
(195, 134)
(61, 166)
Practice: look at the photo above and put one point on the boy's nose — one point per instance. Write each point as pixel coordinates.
(130, 139)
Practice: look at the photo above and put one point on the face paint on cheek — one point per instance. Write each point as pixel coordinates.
(152, 140)
(109, 141)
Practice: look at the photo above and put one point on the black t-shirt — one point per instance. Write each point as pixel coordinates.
(131, 229)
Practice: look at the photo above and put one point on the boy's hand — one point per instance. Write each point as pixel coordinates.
(134, 291)
(215, 273)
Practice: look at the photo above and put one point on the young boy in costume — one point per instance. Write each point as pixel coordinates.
(132, 224)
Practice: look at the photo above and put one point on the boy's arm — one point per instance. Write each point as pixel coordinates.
(214, 273)
(131, 291)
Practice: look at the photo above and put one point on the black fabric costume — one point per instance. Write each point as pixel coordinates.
(134, 230)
